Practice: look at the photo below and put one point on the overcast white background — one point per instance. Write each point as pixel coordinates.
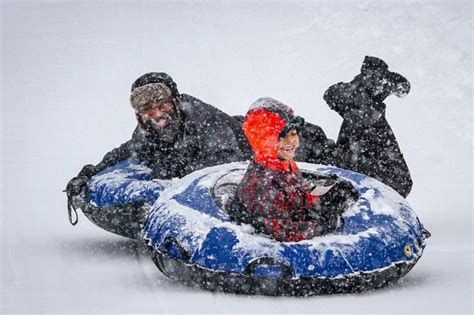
(66, 72)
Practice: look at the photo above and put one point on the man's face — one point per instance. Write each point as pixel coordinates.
(287, 146)
(160, 115)
(161, 120)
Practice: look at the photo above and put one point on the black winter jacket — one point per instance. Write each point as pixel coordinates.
(207, 137)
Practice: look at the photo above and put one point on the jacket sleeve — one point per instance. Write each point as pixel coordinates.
(113, 157)
(288, 216)
(273, 200)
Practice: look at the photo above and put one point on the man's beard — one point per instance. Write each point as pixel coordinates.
(167, 136)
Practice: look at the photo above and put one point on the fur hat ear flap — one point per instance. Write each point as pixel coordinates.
(142, 95)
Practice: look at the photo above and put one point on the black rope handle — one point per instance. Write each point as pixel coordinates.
(268, 261)
(171, 240)
(426, 233)
(71, 209)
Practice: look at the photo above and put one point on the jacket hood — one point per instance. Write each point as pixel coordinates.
(262, 126)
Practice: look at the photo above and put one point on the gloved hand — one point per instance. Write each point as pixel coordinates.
(327, 219)
(337, 198)
(76, 186)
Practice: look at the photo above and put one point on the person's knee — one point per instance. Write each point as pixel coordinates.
(407, 186)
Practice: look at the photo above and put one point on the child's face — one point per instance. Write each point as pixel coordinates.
(287, 146)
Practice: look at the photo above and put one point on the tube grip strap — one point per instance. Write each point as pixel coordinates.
(73, 219)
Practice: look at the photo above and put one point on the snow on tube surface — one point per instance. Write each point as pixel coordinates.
(193, 240)
(120, 197)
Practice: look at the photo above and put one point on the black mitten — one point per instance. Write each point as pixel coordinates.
(337, 198)
(76, 186)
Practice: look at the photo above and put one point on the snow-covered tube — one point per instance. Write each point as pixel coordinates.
(193, 240)
(119, 198)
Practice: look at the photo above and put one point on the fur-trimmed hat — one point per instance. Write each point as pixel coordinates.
(150, 92)
(157, 77)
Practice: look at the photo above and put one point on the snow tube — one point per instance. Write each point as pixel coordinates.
(119, 198)
(193, 240)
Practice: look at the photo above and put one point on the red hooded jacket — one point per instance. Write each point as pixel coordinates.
(272, 190)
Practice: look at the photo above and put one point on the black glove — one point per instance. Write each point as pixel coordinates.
(337, 198)
(327, 219)
(328, 211)
(76, 186)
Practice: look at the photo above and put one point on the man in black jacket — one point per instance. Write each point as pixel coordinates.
(178, 134)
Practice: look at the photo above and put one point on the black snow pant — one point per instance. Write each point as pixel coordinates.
(367, 148)
(373, 150)
(366, 142)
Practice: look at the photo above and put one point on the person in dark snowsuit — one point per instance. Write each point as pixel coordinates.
(178, 133)
(272, 195)
(366, 142)
(194, 134)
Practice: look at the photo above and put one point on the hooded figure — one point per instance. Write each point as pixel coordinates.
(272, 196)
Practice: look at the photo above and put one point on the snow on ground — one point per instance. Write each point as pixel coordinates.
(66, 71)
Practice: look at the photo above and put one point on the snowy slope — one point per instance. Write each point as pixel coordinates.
(67, 67)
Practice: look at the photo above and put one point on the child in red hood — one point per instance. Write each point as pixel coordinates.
(271, 196)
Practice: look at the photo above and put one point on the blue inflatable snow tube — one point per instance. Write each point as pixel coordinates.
(120, 197)
(125, 182)
(192, 239)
